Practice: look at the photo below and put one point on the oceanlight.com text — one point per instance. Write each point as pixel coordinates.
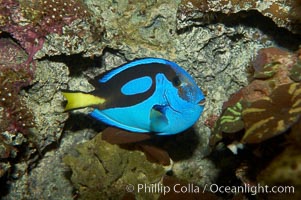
(213, 188)
(250, 189)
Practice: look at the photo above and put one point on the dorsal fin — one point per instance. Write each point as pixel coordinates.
(134, 63)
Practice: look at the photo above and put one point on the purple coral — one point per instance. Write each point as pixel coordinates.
(14, 75)
(30, 21)
(15, 117)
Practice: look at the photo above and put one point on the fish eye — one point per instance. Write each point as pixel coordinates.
(176, 81)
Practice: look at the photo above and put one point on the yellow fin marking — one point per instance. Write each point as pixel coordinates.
(81, 100)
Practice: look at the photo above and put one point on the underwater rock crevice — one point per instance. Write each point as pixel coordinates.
(80, 121)
(250, 19)
(76, 63)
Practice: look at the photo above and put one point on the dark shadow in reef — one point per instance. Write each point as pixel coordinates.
(283, 37)
(179, 146)
(247, 163)
(4, 186)
(80, 121)
(7, 35)
(75, 122)
(76, 63)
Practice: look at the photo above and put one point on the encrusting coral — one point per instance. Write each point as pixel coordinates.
(272, 115)
(270, 104)
(101, 170)
(265, 115)
(30, 21)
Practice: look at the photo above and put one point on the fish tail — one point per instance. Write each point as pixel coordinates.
(76, 100)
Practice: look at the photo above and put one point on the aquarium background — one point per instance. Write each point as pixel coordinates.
(244, 55)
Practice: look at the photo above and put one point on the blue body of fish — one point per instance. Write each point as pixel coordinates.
(148, 95)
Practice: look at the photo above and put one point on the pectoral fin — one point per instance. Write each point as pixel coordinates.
(158, 118)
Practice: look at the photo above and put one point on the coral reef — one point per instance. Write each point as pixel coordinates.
(210, 54)
(265, 115)
(26, 125)
(112, 168)
(278, 112)
(138, 28)
(15, 117)
(272, 94)
(80, 37)
(30, 21)
(63, 49)
(204, 11)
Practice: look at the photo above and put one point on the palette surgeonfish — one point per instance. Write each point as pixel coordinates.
(149, 95)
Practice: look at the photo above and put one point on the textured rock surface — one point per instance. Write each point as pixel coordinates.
(283, 13)
(217, 56)
(48, 179)
(45, 100)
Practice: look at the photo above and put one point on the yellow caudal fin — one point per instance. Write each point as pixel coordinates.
(81, 100)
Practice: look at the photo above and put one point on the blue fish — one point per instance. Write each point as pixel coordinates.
(149, 95)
